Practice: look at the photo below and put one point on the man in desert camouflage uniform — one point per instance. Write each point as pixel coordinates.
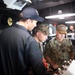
(59, 48)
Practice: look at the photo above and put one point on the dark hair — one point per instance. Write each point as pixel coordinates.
(34, 31)
(21, 17)
(41, 27)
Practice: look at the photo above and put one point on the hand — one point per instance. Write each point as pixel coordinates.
(49, 70)
(55, 74)
(55, 66)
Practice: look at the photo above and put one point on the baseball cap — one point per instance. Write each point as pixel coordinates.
(31, 13)
(43, 28)
(61, 29)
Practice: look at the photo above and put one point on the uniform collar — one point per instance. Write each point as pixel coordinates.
(20, 27)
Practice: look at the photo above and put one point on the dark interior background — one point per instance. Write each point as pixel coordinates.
(45, 8)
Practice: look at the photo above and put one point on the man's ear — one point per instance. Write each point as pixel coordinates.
(56, 31)
(28, 21)
(37, 33)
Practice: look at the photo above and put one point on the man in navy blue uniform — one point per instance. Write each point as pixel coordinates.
(18, 49)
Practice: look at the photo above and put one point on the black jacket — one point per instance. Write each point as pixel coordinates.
(18, 52)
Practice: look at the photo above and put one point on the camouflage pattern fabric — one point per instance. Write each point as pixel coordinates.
(58, 52)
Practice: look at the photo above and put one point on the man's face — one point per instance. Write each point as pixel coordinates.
(60, 36)
(41, 36)
(71, 27)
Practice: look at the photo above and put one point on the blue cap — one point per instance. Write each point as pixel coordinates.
(31, 13)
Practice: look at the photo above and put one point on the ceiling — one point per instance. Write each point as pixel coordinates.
(41, 4)
(50, 7)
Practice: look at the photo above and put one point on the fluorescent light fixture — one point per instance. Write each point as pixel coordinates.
(60, 16)
(70, 22)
